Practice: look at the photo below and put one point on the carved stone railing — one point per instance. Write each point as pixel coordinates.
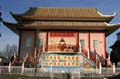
(47, 72)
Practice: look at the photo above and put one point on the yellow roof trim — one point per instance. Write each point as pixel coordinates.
(114, 24)
(114, 14)
(107, 24)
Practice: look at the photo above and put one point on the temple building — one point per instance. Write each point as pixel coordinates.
(63, 37)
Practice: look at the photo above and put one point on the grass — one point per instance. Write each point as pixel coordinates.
(14, 76)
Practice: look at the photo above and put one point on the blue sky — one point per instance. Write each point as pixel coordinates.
(20, 6)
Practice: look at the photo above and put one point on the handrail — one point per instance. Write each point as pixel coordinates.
(46, 71)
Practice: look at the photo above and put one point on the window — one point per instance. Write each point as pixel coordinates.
(82, 42)
(40, 43)
(95, 43)
(28, 42)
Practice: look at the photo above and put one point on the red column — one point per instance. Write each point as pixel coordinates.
(89, 44)
(89, 41)
(77, 41)
(46, 49)
(105, 45)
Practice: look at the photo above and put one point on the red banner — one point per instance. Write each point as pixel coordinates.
(62, 34)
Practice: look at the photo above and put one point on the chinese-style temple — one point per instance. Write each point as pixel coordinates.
(64, 37)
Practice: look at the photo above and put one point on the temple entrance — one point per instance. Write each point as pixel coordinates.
(62, 41)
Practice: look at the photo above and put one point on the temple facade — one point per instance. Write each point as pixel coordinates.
(63, 37)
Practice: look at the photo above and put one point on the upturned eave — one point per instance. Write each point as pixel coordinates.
(13, 27)
(112, 28)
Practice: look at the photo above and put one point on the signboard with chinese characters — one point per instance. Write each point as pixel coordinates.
(66, 60)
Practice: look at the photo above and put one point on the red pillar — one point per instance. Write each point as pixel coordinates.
(89, 44)
(77, 41)
(89, 41)
(46, 47)
(104, 45)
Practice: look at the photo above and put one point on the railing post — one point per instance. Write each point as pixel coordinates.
(35, 52)
(9, 67)
(88, 53)
(114, 69)
(43, 49)
(22, 70)
(80, 47)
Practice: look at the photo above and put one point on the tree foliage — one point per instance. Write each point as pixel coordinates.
(10, 50)
(115, 53)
